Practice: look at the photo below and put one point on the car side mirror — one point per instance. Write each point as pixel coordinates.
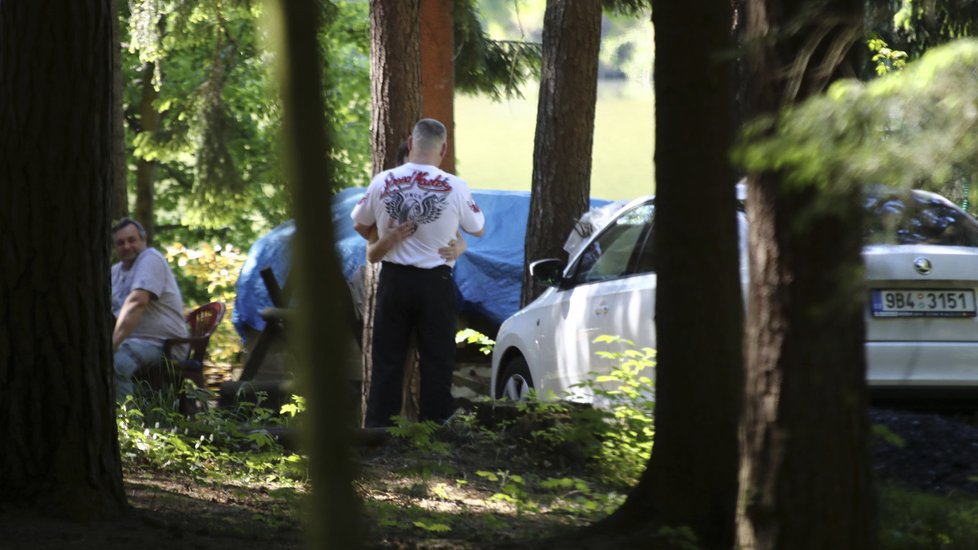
(549, 272)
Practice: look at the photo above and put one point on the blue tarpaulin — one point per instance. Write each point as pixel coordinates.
(487, 276)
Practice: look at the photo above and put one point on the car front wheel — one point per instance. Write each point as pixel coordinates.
(515, 383)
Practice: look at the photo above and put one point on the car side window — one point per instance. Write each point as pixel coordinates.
(611, 254)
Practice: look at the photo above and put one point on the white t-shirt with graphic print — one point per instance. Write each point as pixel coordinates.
(439, 202)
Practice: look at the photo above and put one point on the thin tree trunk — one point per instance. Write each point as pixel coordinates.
(395, 76)
(119, 206)
(562, 146)
(57, 138)
(438, 69)
(805, 471)
(149, 123)
(322, 320)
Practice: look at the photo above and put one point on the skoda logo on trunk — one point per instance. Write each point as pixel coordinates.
(923, 266)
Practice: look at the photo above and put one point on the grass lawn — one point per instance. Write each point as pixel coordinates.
(494, 142)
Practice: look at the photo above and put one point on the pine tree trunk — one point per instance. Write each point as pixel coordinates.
(119, 207)
(395, 75)
(805, 471)
(149, 122)
(57, 134)
(562, 146)
(691, 478)
(438, 69)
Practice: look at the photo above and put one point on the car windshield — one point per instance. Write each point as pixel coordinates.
(901, 217)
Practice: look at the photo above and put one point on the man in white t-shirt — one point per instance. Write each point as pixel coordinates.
(146, 303)
(418, 208)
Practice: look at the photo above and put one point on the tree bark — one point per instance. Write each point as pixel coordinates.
(395, 76)
(322, 320)
(149, 123)
(805, 470)
(561, 185)
(438, 69)
(57, 135)
(691, 478)
(119, 207)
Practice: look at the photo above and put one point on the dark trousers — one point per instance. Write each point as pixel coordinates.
(411, 300)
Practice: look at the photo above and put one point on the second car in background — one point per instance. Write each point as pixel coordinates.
(921, 257)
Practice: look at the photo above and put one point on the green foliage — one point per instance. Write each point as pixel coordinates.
(924, 24)
(615, 437)
(889, 436)
(432, 527)
(510, 490)
(911, 128)
(886, 59)
(209, 274)
(217, 149)
(427, 453)
(217, 445)
(293, 408)
(470, 336)
(911, 520)
(626, 48)
(497, 68)
(387, 515)
(419, 435)
(627, 395)
(571, 495)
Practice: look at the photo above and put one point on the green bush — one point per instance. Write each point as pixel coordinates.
(220, 444)
(911, 520)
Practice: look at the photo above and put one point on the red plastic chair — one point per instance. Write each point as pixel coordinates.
(202, 322)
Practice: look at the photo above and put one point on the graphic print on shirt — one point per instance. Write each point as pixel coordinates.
(421, 207)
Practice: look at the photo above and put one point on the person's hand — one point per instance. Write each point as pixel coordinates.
(403, 231)
(450, 252)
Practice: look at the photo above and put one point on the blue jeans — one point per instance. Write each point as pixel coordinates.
(131, 356)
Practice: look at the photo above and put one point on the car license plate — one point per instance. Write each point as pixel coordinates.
(905, 302)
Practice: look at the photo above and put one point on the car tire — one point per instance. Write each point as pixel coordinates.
(515, 383)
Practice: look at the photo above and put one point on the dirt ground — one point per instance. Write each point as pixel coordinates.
(933, 452)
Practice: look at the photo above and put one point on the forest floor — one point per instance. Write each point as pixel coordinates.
(467, 498)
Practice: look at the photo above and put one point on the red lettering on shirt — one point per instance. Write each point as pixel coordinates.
(474, 207)
(417, 178)
(438, 184)
(393, 184)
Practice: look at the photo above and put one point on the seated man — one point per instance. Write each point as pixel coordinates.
(146, 303)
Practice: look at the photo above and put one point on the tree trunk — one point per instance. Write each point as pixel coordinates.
(395, 76)
(119, 207)
(561, 184)
(322, 320)
(438, 69)
(805, 471)
(149, 123)
(57, 135)
(691, 478)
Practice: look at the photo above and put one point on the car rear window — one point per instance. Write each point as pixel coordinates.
(913, 217)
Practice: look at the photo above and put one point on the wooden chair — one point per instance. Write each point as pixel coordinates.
(176, 368)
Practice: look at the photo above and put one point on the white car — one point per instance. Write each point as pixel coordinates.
(921, 257)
